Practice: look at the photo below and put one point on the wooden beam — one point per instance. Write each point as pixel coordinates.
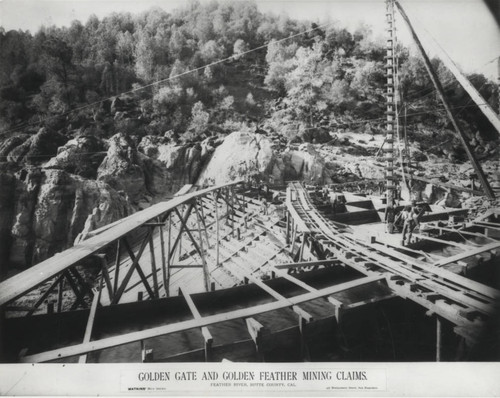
(466, 254)
(438, 183)
(304, 320)
(256, 331)
(329, 261)
(459, 231)
(193, 323)
(117, 265)
(435, 80)
(292, 279)
(163, 262)
(135, 266)
(80, 295)
(207, 336)
(444, 242)
(242, 275)
(202, 251)
(45, 295)
(216, 205)
(154, 271)
(184, 218)
(90, 321)
(105, 274)
(439, 336)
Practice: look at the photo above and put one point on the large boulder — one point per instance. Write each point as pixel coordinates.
(306, 163)
(242, 154)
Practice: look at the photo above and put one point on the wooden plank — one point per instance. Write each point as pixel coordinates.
(90, 321)
(466, 254)
(301, 225)
(207, 336)
(459, 231)
(488, 225)
(193, 323)
(329, 261)
(292, 279)
(184, 190)
(241, 275)
(34, 276)
(442, 241)
(438, 183)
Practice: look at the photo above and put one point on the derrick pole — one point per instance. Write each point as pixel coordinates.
(498, 83)
(390, 57)
(437, 84)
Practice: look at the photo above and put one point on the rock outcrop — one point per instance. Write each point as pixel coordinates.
(121, 168)
(48, 210)
(37, 148)
(81, 156)
(245, 155)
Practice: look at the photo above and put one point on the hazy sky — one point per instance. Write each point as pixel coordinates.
(464, 28)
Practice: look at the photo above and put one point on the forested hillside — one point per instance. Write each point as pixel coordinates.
(168, 63)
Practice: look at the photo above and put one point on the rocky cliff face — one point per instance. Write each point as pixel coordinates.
(46, 203)
(47, 209)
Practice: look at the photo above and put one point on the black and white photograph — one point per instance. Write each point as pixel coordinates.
(257, 197)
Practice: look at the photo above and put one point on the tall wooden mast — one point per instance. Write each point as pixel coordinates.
(391, 108)
(437, 84)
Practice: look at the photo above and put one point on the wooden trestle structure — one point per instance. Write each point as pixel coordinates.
(209, 276)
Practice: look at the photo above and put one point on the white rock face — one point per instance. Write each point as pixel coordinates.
(245, 154)
(241, 154)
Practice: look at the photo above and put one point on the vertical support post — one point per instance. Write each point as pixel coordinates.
(294, 235)
(304, 319)
(181, 231)
(287, 235)
(117, 265)
(60, 290)
(153, 265)
(169, 240)
(302, 246)
(498, 83)
(216, 228)
(207, 336)
(147, 354)
(337, 305)
(90, 320)
(202, 251)
(438, 339)
(163, 261)
(256, 331)
(231, 193)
